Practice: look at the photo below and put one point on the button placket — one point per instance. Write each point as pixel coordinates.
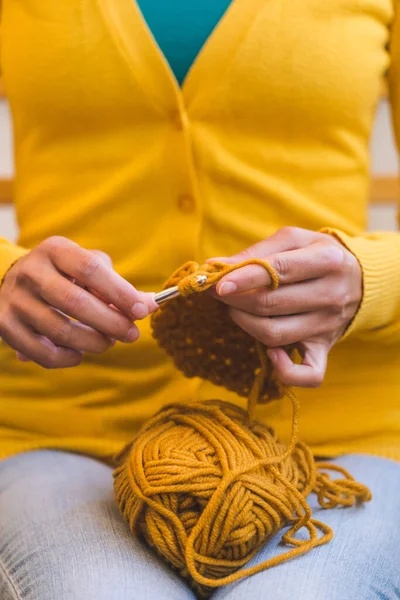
(187, 199)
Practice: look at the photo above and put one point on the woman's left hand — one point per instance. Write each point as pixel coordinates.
(320, 290)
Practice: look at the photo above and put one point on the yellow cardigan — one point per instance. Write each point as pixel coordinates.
(271, 128)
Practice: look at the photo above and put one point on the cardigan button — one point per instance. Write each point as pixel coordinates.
(186, 203)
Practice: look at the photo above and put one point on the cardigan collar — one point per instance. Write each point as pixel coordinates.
(150, 68)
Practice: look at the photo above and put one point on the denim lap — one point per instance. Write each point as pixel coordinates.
(62, 538)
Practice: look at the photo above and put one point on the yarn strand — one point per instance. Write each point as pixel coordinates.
(206, 484)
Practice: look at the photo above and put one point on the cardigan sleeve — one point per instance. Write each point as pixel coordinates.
(378, 317)
(9, 252)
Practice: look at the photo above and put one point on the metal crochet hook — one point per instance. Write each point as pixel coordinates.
(173, 292)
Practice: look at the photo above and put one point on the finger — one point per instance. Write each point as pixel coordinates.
(313, 261)
(106, 258)
(61, 330)
(93, 292)
(283, 240)
(283, 331)
(293, 299)
(79, 304)
(108, 262)
(22, 358)
(310, 373)
(91, 271)
(146, 298)
(38, 348)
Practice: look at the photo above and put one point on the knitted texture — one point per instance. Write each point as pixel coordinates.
(205, 484)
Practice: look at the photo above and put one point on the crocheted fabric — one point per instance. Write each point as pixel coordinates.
(196, 330)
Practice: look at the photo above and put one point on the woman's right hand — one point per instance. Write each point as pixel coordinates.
(60, 301)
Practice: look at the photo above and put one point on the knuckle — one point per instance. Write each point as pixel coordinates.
(54, 248)
(266, 304)
(62, 332)
(333, 256)
(106, 258)
(285, 378)
(246, 254)
(48, 361)
(73, 360)
(272, 336)
(56, 359)
(106, 343)
(74, 300)
(89, 266)
(55, 242)
(317, 379)
(122, 328)
(282, 267)
(339, 299)
(289, 232)
(101, 344)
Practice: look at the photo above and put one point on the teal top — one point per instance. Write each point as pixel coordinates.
(180, 28)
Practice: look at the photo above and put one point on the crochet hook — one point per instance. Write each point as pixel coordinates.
(173, 292)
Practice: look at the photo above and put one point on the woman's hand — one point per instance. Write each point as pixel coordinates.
(319, 294)
(60, 301)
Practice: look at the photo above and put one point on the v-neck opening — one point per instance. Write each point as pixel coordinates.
(199, 56)
(181, 29)
(157, 47)
(152, 70)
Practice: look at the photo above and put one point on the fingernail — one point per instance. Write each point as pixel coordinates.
(139, 310)
(228, 287)
(112, 342)
(273, 355)
(133, 334)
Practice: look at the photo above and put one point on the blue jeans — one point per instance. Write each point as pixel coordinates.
(61, 538)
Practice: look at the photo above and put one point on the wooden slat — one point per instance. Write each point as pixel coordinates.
(384, 190)
(5, 191)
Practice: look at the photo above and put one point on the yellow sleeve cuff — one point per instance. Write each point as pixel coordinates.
(9, 254)
(378, 317)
